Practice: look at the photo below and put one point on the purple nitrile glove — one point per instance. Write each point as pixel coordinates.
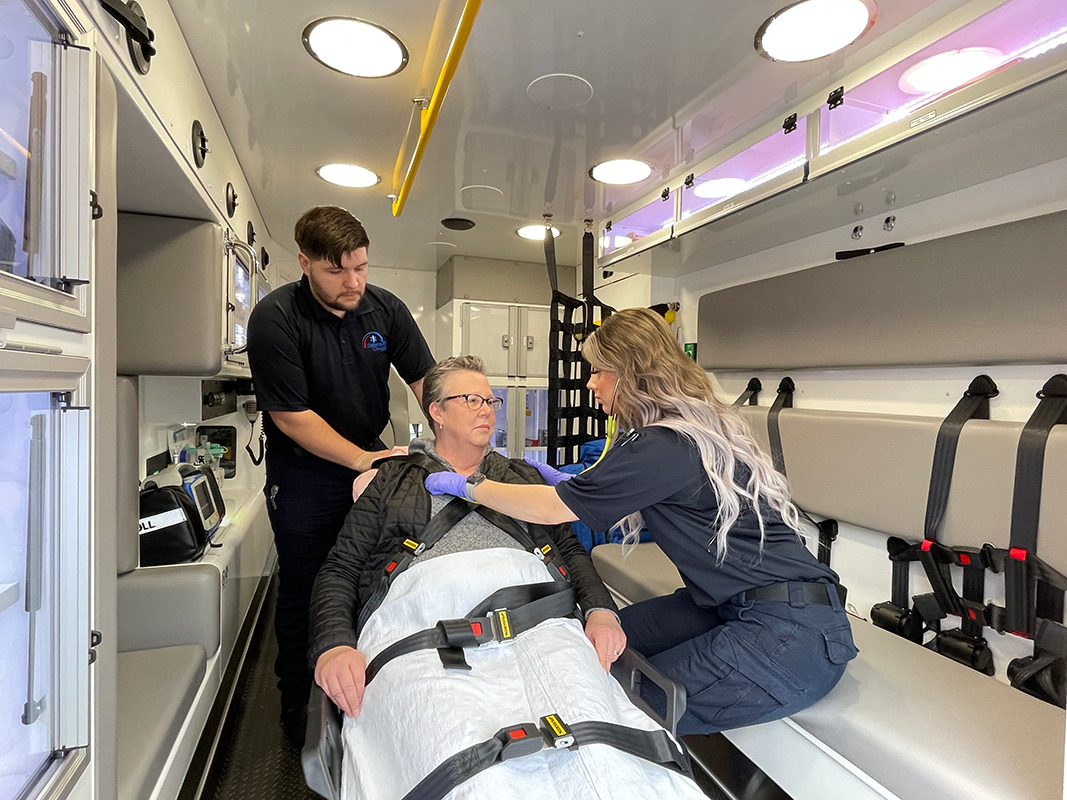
(446, 483)
(551, 475)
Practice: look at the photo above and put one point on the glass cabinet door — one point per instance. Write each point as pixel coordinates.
(27, 107)
(43, 587)
(535, 425)
(44, 98)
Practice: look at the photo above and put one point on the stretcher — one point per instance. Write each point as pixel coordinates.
(417, 715)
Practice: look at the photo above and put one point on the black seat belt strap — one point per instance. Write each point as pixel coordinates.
(550, 733)
(499, 618)
(936, 559)
(440, 524)
(1022, 570)
(751, 393)
(783, 400)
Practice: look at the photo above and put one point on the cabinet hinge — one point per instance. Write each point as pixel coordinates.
(63, 400)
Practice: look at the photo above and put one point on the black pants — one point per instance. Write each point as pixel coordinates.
(307, 502)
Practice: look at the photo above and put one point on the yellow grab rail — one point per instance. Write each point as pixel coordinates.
(428, 115)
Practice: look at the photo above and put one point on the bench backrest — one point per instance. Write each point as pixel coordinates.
(873, 471)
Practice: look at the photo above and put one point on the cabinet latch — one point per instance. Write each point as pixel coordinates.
(94, 205)
(95, 638)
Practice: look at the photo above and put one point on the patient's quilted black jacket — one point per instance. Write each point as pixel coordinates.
(396, 506)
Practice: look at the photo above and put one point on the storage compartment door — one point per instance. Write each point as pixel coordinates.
(533, 342)
(489, 332)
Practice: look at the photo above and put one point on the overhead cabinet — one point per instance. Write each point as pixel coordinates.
(512, 339)
(171, 273)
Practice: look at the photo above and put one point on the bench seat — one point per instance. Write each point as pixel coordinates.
(915, 722)
(156, 691)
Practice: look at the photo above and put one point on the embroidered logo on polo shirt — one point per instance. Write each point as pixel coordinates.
(374, 341)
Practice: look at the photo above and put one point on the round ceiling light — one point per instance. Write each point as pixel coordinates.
(812, 29)
(350, 175)
(621, 171)
(355, 47)
(720, 188)
(536, 233)
(950, 69)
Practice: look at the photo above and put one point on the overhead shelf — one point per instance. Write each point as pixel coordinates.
(1019, 45)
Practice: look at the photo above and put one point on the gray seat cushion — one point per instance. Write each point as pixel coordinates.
(637, 574)
(924, 726)
(155, 692)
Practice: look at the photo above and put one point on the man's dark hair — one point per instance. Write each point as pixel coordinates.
(326, 233)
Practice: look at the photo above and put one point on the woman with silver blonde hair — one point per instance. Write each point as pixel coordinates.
(758, 631)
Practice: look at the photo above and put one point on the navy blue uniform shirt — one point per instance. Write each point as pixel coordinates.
(658, 472)
(305, 358)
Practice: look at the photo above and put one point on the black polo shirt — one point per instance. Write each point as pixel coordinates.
(303, 358)
(658, 472)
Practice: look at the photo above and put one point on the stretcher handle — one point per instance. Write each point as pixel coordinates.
(630, 668)
(321, 754)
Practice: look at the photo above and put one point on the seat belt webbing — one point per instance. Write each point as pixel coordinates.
(783, 400)
(440, 524)
(935, 559)
(1022, 567)
(553, 734)
(751, 393)
(500, 617)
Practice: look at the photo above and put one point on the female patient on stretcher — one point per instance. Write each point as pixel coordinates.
(530, 628)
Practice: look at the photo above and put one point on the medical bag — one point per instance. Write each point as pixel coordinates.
(180, 508)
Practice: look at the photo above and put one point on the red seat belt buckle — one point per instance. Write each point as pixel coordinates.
(1018, 553)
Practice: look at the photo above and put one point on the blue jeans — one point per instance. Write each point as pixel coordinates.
(743, 662)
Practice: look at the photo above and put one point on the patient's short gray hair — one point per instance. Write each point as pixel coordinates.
(433, 382)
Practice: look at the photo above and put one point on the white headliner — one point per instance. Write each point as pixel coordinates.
(655, 69)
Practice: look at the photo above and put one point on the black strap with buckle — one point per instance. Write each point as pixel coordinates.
(551, 733)
(1021, 578)
(500, 617)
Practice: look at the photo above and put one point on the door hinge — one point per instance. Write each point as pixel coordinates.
(63, 400)
(836, 98)
(94, 205)
(139, 37)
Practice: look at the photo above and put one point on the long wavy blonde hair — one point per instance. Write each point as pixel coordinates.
(659, 385)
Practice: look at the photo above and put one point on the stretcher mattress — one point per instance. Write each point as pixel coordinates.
(416, 714)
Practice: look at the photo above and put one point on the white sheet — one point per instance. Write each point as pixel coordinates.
(416, 714)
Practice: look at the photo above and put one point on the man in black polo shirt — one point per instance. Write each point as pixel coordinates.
(320, 351)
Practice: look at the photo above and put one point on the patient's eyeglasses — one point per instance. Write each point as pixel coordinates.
(475, 401)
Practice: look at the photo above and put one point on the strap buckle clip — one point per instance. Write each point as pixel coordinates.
(400, 562)
(556, 732)
(465, 632)
(520, 740)
(500, 624)
(416, 548)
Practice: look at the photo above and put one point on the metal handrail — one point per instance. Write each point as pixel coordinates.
(428, 115)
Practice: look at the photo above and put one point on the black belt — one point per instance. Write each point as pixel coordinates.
(551, 734)
(500, 617)
(814, 592)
